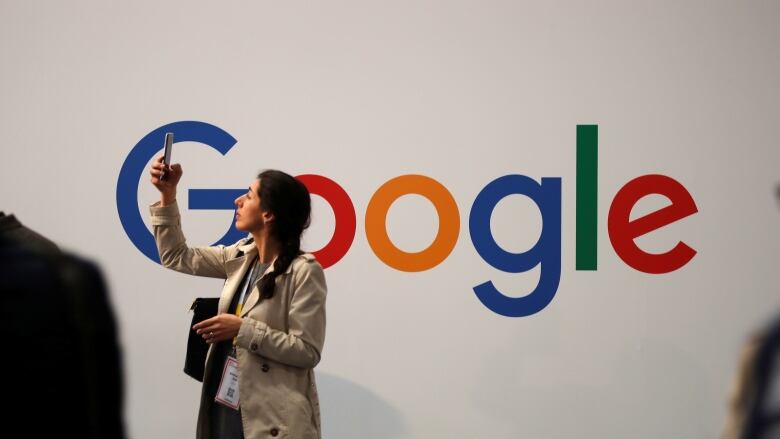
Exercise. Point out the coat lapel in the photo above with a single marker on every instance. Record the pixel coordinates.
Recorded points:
(254, 295)
(240, 272)
(235, 269)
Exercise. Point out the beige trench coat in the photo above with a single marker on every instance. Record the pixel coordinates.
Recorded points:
(280, 340)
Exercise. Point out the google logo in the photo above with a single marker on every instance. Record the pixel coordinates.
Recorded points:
(546, 194)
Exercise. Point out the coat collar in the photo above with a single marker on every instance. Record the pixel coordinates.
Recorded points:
(248, 249)
(237, 269)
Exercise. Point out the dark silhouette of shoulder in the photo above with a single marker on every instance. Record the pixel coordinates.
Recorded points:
(13, 230)
(62, 368)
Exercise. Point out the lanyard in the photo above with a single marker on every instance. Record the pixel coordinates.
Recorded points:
(241, 298)
(240, 304)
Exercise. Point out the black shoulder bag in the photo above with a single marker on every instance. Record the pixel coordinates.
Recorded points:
(195, 361)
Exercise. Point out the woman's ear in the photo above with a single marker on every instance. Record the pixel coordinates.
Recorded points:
(268, 217)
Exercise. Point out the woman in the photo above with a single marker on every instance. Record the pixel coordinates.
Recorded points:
(270, 328)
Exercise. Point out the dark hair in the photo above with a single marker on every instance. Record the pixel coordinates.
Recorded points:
(290, 202)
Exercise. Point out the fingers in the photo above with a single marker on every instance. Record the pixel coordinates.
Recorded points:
(213, 335)
(157, 176)
(161, 167)
(158, 168)
(209, 331)
(207, 323)
(162, 175)
(218, 328)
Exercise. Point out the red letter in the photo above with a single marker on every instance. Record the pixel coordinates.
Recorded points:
(622, 232)
(344, 211)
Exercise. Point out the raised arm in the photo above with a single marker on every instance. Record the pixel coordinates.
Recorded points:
(166, 222)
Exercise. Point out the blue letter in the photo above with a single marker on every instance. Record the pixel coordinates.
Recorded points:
(134, 167)
(546, 251)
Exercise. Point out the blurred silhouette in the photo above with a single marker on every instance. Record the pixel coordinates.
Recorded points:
(62, 369)
(754, 406)
(754, 411)
(12, 230)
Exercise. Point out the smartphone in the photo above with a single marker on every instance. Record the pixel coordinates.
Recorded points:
(167, 153)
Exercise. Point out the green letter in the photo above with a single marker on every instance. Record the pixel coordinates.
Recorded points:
(587, 194)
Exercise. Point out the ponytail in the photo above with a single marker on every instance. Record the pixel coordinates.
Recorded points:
(290, 202)
(290, 250)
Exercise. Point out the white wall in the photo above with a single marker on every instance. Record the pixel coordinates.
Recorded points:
(463, 92)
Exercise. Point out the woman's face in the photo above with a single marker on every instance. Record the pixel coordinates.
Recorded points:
(249, 217)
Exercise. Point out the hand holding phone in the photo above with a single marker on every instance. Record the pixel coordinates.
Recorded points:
(167, 154)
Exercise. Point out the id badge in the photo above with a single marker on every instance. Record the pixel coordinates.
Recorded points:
(228, 386)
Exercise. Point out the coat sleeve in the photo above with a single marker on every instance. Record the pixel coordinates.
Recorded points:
(173, 250)
(301, 346)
